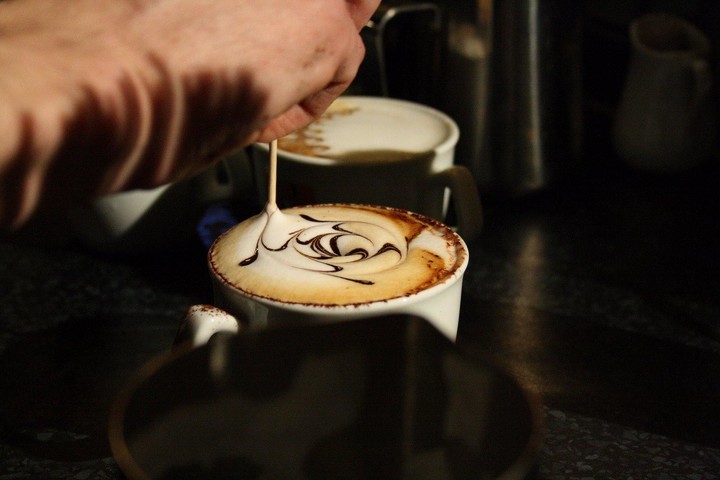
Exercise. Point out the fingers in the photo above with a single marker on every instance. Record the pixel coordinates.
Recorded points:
(310, 108)
(301, 114)
(313, 106)
(361, 11)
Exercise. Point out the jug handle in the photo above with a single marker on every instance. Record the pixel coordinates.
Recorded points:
(375, 44)
(702, 78)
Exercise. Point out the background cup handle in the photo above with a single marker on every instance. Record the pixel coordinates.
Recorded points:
(230, 178)
(466, 200)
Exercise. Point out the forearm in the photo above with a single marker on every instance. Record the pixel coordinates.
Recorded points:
(94, 111)
(59, 94)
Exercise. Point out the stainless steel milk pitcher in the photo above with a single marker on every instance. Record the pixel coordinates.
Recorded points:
(513, 86)
(507, 71)
(403, 42)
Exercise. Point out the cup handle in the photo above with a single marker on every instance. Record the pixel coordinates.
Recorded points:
(202, 322)
(466, 200)
(229, 178)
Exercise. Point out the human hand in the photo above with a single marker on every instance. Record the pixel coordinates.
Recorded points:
(106, 95)
(298, 55)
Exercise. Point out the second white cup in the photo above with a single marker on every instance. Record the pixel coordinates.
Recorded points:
(378, 151)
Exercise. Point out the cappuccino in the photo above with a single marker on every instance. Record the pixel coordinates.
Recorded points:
(337, 255)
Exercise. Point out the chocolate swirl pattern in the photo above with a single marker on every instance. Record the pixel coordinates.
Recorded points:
(336, 254)
(332, 247)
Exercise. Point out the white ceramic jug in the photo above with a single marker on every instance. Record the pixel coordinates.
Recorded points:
(665, 120)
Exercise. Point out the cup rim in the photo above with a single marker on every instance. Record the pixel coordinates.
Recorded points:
(352, 309)
(453, 130)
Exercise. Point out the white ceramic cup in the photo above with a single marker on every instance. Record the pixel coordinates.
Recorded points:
(142, 220)
(235, 309)
(311, 167)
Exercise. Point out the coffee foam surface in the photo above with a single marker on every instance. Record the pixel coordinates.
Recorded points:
(336, 255)
(346, 126)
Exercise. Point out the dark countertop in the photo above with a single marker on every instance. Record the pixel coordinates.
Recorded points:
(601, 298)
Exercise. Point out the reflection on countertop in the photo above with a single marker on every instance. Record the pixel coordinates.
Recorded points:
(603, 301)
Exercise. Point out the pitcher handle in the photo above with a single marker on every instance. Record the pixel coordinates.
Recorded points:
(702, 77)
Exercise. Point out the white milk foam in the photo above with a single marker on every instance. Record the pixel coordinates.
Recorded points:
(336, 254)
(393, 125)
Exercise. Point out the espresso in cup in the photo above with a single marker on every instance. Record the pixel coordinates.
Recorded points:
(339, 261)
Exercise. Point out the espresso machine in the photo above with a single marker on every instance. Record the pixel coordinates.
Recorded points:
(507, 71)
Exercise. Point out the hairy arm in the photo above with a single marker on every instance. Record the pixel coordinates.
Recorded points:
(98, 96)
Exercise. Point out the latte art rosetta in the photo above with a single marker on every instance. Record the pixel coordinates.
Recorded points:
(336, 254)
(338, 248)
